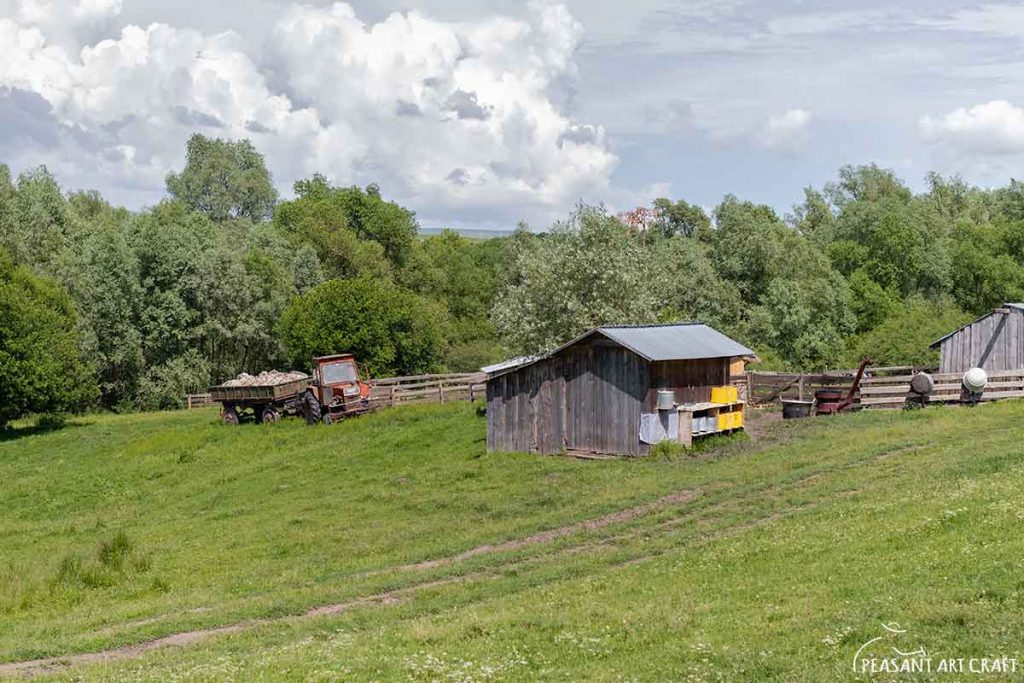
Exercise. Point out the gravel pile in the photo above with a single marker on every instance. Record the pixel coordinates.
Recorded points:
(267, 378)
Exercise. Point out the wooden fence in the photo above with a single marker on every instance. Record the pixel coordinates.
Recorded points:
(197, 401)
(894, 392)
(765, 388)
(391, 391)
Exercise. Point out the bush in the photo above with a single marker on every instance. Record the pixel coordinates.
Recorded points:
(41, 367)
(390, 330)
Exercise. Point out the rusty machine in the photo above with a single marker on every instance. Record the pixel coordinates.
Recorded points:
(832, 401)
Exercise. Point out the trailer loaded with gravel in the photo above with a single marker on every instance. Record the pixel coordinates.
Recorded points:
(264, 397)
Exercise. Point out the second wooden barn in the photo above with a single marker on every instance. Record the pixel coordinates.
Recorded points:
(589, 394)
(994, 341)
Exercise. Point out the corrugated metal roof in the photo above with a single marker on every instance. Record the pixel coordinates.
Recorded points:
(510, 364)
(654, 343)
(978, 320)
(691, 341)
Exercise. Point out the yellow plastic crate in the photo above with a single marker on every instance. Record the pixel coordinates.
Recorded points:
(725, 394)
(737, 419)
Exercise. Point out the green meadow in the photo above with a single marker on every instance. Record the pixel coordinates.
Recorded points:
(393, 547)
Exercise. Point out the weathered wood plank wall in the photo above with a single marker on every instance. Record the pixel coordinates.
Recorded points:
(995, 343)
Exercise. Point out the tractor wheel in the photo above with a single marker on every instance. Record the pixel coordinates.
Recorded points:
(312, 409)
(229, 415)
(270, 415)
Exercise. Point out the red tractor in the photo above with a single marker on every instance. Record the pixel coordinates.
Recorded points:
(336, 390)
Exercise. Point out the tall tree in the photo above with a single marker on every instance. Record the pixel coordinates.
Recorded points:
(224, 179)
(34, 220)
(679, 218)
(589, 270)
(104, 280)
(355, 232)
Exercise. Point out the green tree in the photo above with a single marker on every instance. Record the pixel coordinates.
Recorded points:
(461, 274)
(589, 270)
(898, 240)
(983, 273)
(903, 338)
(354, 231)
(224, 179)
(171, 242)
(689, 288)
(680, 219)
(747, 246)
(390, 330)
(34, 220)
(104, 280)
(41, 368)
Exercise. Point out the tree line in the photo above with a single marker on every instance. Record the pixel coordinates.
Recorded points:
(101, 307)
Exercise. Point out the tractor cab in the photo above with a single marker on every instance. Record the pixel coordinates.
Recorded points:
(336, 380)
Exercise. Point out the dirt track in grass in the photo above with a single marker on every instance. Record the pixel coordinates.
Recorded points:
(37, 667)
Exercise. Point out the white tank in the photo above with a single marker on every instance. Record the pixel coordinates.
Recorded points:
(666, 399)
(975, 380)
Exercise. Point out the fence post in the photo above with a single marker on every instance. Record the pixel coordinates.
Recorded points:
(801, 388)
(391, 396)
(440, 391)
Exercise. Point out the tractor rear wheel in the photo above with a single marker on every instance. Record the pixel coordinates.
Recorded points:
(229, 415)
(312, 409)
(270, 415)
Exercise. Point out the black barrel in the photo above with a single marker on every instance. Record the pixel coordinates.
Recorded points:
(792, 410)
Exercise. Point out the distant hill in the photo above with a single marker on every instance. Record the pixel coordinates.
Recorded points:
(472, 233)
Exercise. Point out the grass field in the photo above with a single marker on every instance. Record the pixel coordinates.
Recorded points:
(393, 547)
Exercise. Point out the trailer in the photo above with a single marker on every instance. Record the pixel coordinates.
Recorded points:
(261, 402)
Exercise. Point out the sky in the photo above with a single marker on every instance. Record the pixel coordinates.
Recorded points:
(480, 114)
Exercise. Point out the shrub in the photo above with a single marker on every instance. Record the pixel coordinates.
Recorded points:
(41, 367)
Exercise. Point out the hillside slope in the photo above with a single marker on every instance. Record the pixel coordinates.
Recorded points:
(393, 547)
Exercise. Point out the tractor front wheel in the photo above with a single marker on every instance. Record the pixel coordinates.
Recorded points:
(312, 409)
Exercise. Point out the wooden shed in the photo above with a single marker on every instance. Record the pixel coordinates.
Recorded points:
(994, 342)
(589, 394)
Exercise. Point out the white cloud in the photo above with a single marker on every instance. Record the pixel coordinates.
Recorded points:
(992, 128)
(994, 19)
(444, 115)
(786, 132)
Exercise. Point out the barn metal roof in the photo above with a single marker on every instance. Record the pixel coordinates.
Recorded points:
(654, 343)
(510, 364)
(690, 341)
(978, 320)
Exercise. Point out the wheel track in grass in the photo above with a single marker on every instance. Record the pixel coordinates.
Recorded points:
(36, 667)
(48, 665)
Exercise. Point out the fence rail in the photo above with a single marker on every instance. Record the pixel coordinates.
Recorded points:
(765, 388)
(894, 392)
(197, 401)
(393, 391)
